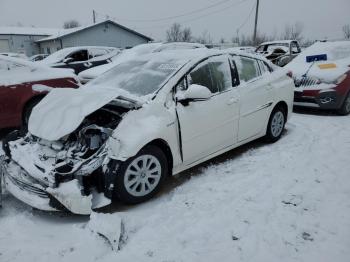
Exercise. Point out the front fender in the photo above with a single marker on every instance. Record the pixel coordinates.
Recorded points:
(141, 127)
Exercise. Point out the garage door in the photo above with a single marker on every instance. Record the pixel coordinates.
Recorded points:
(4, 46)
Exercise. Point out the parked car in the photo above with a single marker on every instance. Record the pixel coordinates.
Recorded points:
(15, 55)
(79, 58)
(280, 52)
(322, 76)
(122, 134)
(134, 52)
(38, 57)
(23, 84)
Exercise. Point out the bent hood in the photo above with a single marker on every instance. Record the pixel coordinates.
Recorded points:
(64, 109)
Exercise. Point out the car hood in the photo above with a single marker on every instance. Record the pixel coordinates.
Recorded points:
(64, 109)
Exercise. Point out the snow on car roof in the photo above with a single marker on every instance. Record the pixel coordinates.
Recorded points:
(137, 51)
(277, 42)
(13, 30)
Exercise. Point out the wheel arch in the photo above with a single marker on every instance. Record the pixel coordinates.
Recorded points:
(30, 101)
(164, 146)
(284, 106)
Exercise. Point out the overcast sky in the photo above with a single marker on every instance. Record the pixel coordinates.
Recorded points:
(321, 18)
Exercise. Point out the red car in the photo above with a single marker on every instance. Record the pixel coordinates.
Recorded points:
(23, 84)
(322, 76)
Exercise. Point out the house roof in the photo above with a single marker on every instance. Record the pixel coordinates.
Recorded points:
(15, 30)
(65, 32)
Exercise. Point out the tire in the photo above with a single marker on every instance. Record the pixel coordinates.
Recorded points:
(345, 108)
(27, 111)
(138, 190)
(276, 125)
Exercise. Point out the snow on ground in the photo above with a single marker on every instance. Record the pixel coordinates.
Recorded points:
(287, 201)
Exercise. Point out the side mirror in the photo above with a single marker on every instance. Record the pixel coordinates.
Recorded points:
(194, 93)
(67, 60)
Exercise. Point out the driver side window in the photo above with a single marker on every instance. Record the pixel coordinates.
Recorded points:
(201, 76)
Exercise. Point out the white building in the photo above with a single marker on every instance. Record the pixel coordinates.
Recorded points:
(33, 40)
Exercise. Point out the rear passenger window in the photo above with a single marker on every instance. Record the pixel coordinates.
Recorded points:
(247, 68)
(263, 67)
(201, 76)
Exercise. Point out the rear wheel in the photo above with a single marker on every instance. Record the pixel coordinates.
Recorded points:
(276, 125)
(141, 177)
(345, 108)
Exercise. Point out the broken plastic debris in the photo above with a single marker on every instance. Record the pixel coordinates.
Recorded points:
(109, 226)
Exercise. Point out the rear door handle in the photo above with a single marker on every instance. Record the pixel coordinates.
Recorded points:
(232, 100)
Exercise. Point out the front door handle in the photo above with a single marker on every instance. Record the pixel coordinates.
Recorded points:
(232, 100)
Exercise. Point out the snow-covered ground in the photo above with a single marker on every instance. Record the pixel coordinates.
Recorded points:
(287, 201)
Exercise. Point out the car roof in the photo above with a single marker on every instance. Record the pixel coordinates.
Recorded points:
(278, 42)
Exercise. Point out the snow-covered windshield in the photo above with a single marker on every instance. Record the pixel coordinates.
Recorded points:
(139, 77)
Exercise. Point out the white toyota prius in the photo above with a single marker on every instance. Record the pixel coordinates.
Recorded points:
(121, 135)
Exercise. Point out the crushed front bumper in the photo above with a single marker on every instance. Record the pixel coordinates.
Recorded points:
(26, 189)
(66, 197)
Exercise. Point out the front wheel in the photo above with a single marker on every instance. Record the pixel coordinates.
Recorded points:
(276, 125)
(141, 177)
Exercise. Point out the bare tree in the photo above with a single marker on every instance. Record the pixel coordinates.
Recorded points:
(177, 34)
(187, 35)
(346, 31)
(71, 24)
(249, 41)
(204, 38)
(174, 34)
(222, 40)
(293, 32)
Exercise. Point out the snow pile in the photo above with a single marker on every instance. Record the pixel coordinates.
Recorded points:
(286, 201)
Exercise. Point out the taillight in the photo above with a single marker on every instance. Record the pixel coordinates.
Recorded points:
(290, 74)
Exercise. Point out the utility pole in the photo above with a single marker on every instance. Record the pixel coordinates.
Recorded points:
(256, 21)
(94, 16)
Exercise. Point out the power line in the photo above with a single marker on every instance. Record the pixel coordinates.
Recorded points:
(176, 16)
(247, 19)
(180, 15)
(198, 17)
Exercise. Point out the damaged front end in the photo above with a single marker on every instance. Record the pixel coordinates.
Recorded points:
(66, 174)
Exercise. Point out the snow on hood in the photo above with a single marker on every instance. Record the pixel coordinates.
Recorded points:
(64, 109)
(338, 53)
(16, 71)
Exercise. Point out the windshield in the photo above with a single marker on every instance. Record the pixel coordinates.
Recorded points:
(139, 77)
